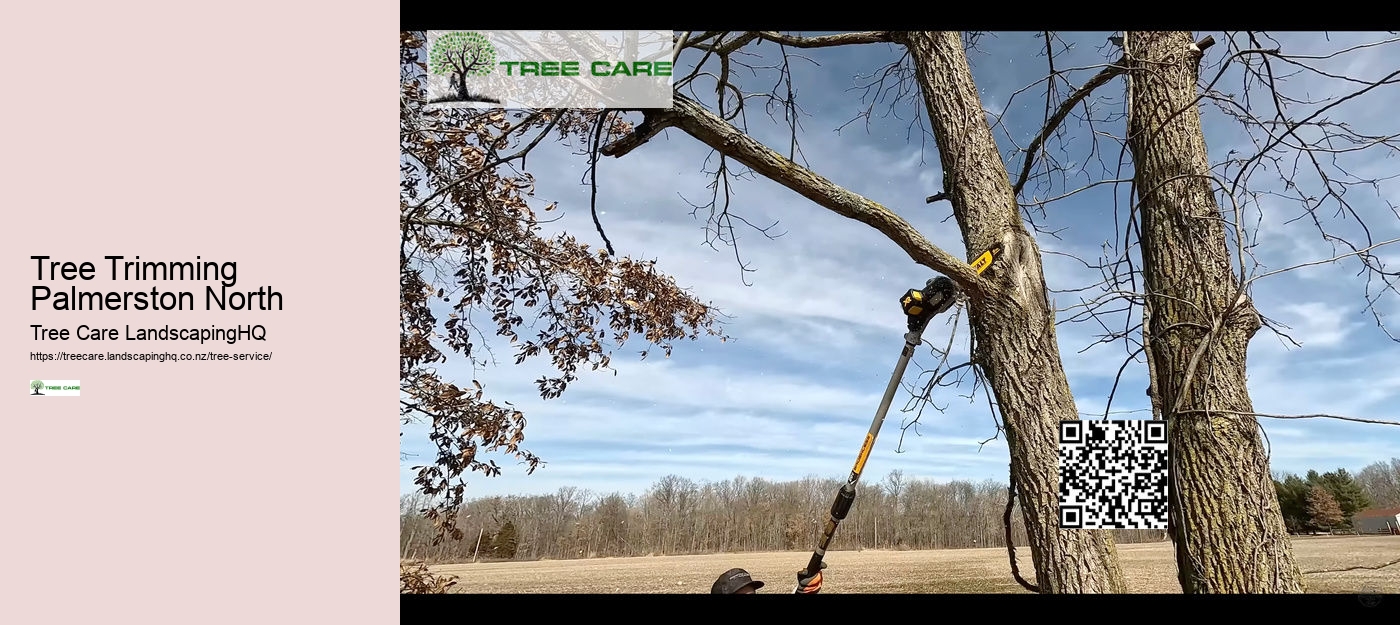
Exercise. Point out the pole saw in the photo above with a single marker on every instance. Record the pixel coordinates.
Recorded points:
(920, 306)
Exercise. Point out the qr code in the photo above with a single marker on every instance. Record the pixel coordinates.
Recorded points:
(1113, 474)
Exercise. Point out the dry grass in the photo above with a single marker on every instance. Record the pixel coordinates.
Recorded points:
(1149, 568)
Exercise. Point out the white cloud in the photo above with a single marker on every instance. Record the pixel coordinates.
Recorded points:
(1318, 324)
(1295, 384)
(665, 383)
(599, 437)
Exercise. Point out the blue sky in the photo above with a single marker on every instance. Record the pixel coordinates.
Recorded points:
(817, 333)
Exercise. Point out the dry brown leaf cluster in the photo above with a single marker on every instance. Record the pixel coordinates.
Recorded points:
(473, 247)
(416, 579)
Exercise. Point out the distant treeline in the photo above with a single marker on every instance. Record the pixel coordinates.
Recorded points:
(679, 516)
(1323, 502)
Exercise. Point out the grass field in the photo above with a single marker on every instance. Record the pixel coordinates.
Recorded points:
(1149, 568)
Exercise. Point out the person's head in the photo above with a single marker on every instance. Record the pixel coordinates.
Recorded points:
(735, 582)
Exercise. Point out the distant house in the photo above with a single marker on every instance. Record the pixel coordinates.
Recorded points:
(1377, 521)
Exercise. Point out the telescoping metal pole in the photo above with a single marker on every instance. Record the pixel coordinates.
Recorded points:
(920, 306)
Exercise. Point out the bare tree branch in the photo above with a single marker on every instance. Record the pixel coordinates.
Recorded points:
(1323, 262)
(708, 128)
(1303, 416)
(827, 41)
(1010, 544)
(1355, 568)
(1114, 391)
(1109, 73)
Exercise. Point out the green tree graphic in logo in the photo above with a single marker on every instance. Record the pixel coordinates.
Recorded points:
(459, 55)
(36, 385)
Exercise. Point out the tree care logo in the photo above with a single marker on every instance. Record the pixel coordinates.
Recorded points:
(550, 69)
(54, 388)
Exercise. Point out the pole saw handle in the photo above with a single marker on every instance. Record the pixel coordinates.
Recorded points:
(845, 496)
(815, 564)
(805, 574)
(920, 305)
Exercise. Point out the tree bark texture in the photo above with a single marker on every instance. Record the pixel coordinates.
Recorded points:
(1225, 519)
(1013, 325)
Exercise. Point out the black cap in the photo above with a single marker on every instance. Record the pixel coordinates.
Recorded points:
(733, 581)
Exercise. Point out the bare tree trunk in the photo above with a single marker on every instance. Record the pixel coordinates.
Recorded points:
(1226, 523)
(1014, 325)
(404, 552)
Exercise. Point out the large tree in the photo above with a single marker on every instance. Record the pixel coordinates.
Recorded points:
(1199, 324)
(1198, 308)
(1323, 511)
(1350, 495)
(1292, 502)
(1013, 323)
